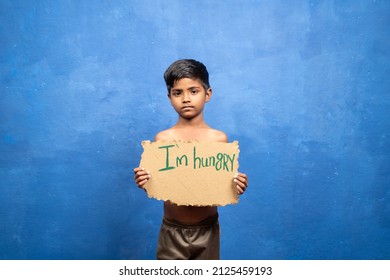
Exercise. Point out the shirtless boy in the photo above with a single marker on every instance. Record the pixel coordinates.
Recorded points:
(189, 232)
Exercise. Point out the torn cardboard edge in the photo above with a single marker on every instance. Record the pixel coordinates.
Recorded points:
(191, 172)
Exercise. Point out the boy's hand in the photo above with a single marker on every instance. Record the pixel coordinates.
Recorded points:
(141, 176)
(242, 182)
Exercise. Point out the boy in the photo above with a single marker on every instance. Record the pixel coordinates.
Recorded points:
(189, 232)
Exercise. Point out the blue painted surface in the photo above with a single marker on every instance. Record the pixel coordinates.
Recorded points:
(304, 87)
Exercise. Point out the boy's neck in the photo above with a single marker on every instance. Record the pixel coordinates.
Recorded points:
(194, 122)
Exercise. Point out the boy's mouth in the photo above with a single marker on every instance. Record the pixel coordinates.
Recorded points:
(187, 107)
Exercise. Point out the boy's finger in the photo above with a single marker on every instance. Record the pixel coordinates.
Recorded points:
(140, 184)
(241, 178)
(137, 169)
(139, 179)
(140, 173)
(239, 181)
(240, 185)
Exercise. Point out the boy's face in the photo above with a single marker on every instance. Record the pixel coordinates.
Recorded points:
(188, 97)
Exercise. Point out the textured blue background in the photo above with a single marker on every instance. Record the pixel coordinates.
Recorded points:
(302, 85)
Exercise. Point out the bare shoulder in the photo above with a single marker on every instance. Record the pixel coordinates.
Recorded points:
(164, 135)
(218, 135)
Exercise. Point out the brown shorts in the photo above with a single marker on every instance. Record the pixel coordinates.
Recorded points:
(178, 241)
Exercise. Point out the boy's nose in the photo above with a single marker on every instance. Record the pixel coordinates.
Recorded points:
(186, 97)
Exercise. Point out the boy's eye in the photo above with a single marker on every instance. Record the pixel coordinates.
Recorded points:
(176, 93)
(193, 92)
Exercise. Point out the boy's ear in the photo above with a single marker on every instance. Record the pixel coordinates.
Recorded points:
(209, 93)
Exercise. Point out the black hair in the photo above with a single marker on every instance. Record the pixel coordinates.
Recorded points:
(186, 68)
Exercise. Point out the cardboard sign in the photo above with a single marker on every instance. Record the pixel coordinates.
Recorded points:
(191, 172)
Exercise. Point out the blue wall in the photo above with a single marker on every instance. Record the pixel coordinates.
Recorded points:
(302, 85)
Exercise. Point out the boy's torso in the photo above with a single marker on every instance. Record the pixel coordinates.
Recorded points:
(190, 214)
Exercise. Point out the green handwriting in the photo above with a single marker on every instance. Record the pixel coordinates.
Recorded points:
(221, 161)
